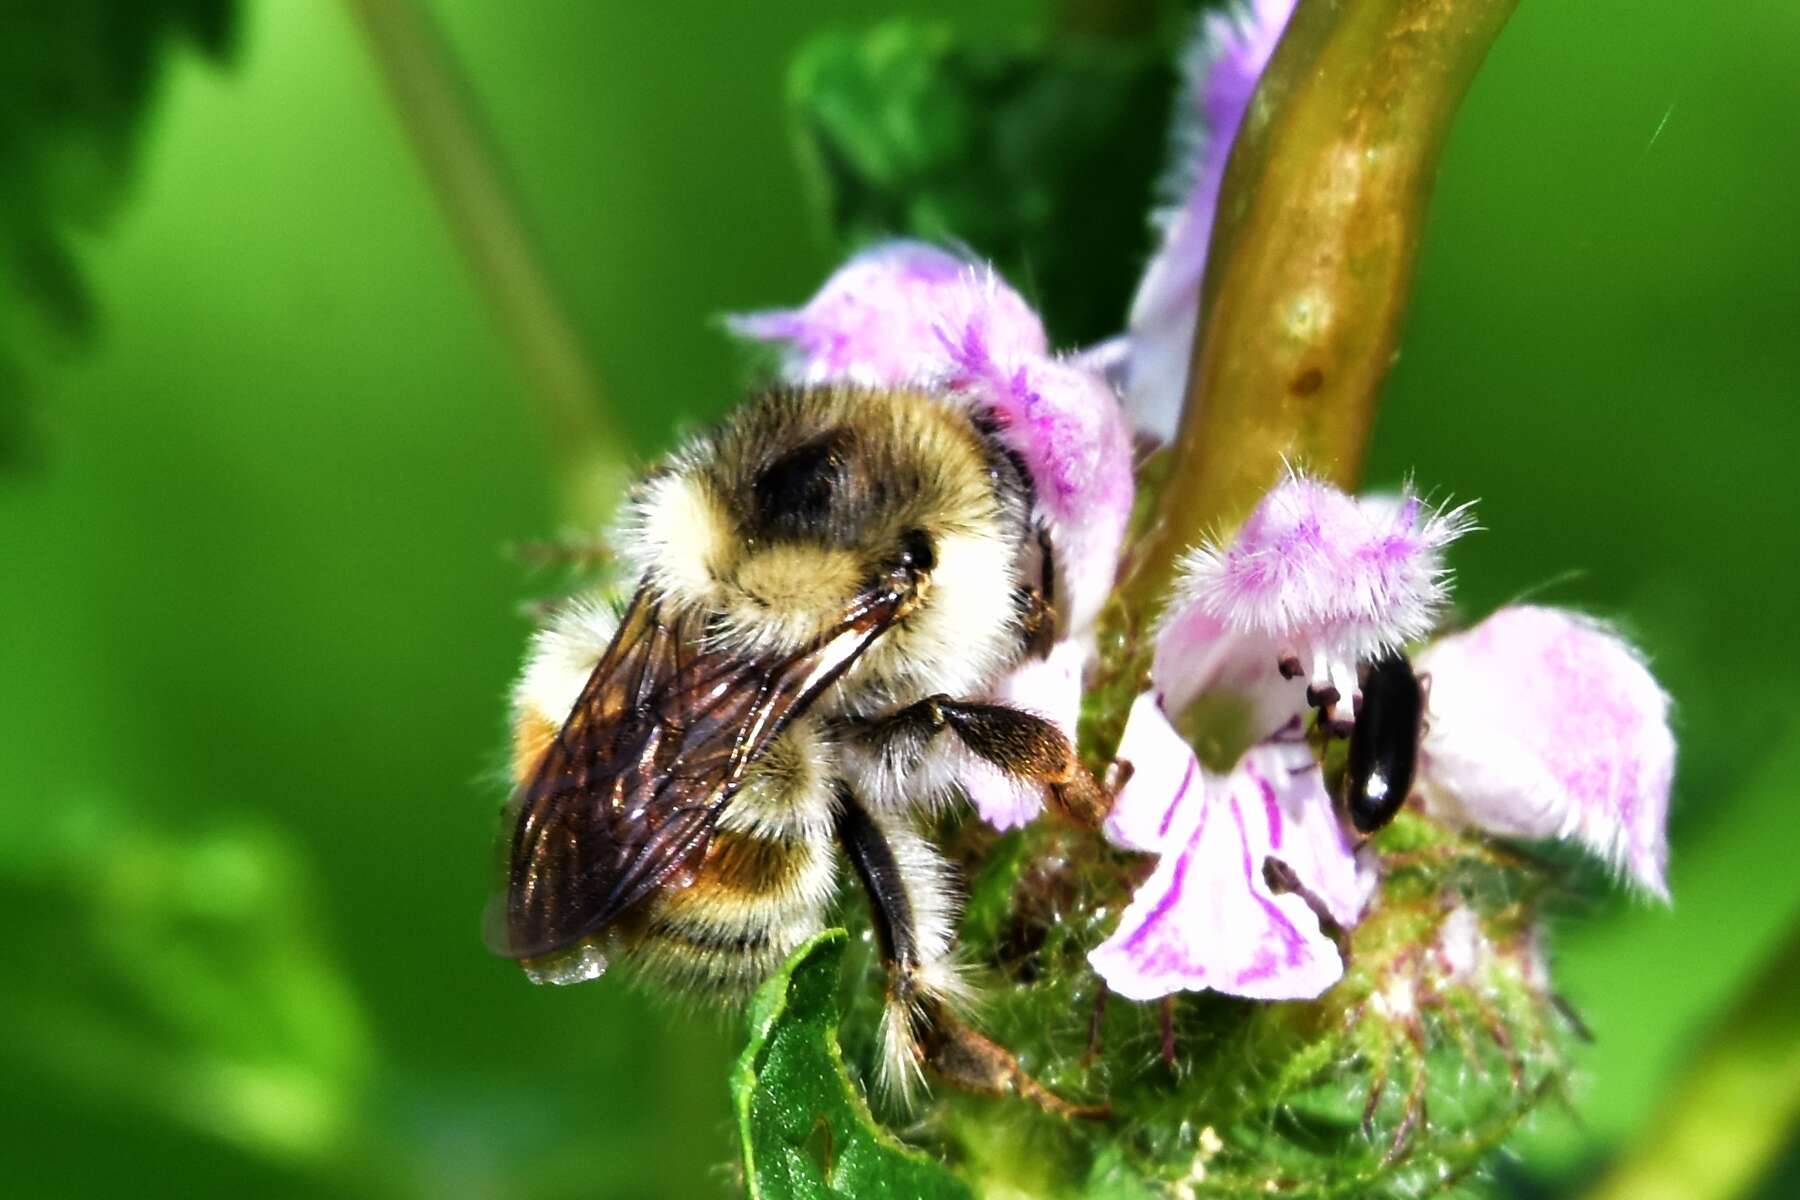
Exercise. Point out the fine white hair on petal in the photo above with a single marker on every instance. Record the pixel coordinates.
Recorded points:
(1544, 723)
(1316, 569)
(1314, 575)
(878, 319)
(1220, 70)
(1208, 916)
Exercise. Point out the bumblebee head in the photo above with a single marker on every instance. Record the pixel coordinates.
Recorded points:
(807, 501)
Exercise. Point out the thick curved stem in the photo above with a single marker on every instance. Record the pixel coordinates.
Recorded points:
(1312, 257)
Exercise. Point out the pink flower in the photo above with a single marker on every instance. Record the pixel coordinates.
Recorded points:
(1545, 724)
(1538, 724)
(1315, 583)
(1220, 70)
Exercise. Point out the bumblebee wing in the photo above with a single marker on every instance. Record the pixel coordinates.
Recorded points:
(628, 789)
(628, 792)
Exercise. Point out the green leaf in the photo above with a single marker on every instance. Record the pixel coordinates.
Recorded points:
(1039, 156)
(807, 1132)
(76, 80)
(181, 973)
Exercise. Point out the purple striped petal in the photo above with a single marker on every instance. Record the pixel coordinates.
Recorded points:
(1208, 918)
(1306, 833)
(1162, 796)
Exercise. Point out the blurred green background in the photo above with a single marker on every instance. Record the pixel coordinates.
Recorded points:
(265, 458)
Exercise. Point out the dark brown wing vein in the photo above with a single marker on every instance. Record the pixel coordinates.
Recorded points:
(657, 743)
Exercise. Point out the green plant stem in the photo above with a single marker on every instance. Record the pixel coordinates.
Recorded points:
(1311, 261)
(442, 119)
(1733, 1110)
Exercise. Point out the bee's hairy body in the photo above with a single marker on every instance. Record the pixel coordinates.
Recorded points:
(768, 530)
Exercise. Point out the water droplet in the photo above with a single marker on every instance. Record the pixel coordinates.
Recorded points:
(579, 965)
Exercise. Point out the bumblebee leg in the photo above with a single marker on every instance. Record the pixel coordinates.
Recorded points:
(920, 1028)
(1037, 603)
(1021, 744)
(977, 1063)
(908, 887)
(879, 871)
(1037, 621)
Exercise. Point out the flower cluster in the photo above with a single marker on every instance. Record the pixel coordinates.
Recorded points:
(1538, 723)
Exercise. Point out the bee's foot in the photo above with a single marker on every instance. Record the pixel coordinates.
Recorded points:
(1082, 798)
(976, 1063)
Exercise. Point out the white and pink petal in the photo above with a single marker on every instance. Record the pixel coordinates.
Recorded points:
(881, 318)
(1208, 917)
(1163, 792)
(1542, 723)
(1305, 832)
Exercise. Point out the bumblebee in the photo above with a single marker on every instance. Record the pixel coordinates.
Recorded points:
(826, 585)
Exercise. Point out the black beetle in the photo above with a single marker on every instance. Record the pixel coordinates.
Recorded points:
(1384, 742)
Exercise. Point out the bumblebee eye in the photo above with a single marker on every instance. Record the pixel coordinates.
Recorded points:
(916, 550)
(797, 488)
